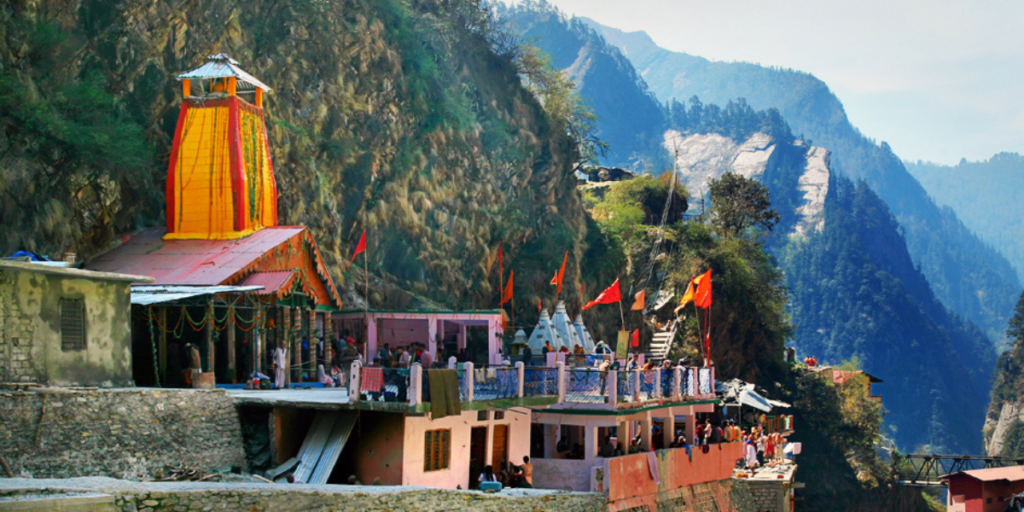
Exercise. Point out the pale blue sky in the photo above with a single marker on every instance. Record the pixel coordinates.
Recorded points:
(937, 80)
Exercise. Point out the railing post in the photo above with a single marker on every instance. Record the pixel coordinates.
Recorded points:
(657, 383)
(354, 379)
(712, 383)
(612, 385)
(415, 384)
(468, 368)
(561, 381)
(677, 387)
(452, 361)
(521, 377)
(637, 375)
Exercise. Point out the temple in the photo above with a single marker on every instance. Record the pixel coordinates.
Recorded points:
(226, 278)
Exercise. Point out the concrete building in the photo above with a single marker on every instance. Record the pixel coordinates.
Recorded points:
(64, 326)
(983, 490)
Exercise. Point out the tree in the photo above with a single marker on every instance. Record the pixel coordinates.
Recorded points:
(740, 204)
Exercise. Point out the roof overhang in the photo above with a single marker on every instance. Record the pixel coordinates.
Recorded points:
(158, 294)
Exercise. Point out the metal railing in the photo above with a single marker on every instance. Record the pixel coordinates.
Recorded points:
(586, 385)
(578, 385)
(394, 385)
(540, 381)
(496, 383)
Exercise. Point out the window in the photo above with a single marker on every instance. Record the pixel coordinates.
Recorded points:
(482, 415)
(72, 324)
(437, 448)
(499, 415)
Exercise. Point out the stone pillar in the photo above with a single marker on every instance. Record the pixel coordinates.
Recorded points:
(561, 381)
(432, 337)
(612, 387)
(452, 362)
(622, 434)
(520, 377)
(645, 432)
(677, 386)
(492, 342)
(637, 375)
(461, 337)
(355, 375)
(590, 442)
(415, 384)
(657, 384)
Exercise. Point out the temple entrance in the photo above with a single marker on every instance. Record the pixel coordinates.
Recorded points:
(477, 455)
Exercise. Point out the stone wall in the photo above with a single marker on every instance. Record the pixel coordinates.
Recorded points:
(769, 496)
(182, 497)
(53, 432)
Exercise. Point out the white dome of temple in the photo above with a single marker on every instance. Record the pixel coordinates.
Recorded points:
(544, 332)
(583, 334)
(563, 326)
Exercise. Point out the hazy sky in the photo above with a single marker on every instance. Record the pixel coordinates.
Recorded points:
(937, 80)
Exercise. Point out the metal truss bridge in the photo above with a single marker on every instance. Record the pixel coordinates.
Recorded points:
(922, 469)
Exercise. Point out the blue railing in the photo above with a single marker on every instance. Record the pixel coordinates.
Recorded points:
(495, 383)
(586, 385)
(540, 381)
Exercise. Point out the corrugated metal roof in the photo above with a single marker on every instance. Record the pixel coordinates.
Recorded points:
(147, 295)
(219, 66)
(190, 262)
(74, 273)
(274, 282)
(1012, 474)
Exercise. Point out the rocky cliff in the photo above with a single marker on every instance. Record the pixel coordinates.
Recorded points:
(405, 118)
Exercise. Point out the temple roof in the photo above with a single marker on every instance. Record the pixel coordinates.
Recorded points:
(583, 334)
(220, 65)
(543, 333)
(567, 334)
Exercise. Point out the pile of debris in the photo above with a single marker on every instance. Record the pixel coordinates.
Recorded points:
(184, 473)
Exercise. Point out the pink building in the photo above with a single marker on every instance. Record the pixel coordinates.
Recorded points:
(983, 490)
(443, 332)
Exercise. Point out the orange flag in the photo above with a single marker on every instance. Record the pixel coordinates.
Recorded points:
(507, 294)
(360, 247)
(609, 296)
(560, 274)
(703, 296)
(641, 298)
(687, 297)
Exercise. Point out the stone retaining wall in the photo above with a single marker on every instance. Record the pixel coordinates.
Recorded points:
(59, 433)
(187, 497)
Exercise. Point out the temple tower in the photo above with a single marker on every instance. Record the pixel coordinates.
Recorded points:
(220, 181)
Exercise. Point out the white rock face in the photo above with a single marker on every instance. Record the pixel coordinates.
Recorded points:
(1010, 411)
(701, 158)
(814, 185)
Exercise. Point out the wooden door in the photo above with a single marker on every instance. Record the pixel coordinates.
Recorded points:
(477, 455)
(499, 444)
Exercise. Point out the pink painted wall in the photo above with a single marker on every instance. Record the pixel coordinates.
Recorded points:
(629, 477)
(563, 474)
(401, 332)
(517, 419)
(378, 447)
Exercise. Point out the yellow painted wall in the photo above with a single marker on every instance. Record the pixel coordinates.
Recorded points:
(203, 193)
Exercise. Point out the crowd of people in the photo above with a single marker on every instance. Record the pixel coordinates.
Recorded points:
(509, 474)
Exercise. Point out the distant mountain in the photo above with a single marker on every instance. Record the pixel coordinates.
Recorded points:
(967, 275)
(607, 80)
(975, 191)
(855, 290)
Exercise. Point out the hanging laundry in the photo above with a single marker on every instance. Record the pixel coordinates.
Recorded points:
(372, 380)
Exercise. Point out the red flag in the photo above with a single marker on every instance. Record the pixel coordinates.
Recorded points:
(703, 297)
(360, 247)
(501, 268)
(609, 296)
(507, 294)
(640, 299)
(560, 274)
(540, 305)
(634, 340)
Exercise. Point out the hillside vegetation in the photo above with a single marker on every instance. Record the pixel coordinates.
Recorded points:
(407, 118)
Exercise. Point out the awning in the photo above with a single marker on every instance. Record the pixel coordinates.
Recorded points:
(736, 392)
(148, 295)
(276, 282)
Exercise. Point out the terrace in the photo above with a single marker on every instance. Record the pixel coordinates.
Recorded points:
(407, 389)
